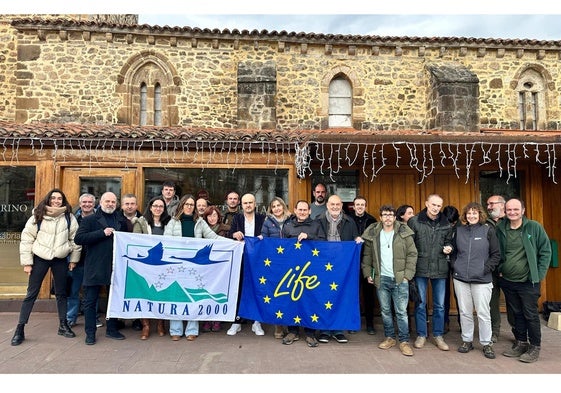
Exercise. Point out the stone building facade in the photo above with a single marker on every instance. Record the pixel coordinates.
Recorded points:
(75, 70)
(391, 118)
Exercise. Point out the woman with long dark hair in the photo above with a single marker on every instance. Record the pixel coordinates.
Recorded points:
(47, 242)
(152, 222)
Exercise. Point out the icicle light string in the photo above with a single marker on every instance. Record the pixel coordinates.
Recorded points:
(373, 156)
(552, 154)
(422, 160)
(397, 156)
(382, 158)
(365, 157)
(308, 155)
(4, 149)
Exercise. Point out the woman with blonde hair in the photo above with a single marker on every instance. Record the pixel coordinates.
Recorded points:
(277, 214)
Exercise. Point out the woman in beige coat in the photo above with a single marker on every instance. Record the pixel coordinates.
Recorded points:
(47, 242)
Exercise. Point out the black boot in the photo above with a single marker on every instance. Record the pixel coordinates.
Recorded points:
(64, 329)
(19, 336)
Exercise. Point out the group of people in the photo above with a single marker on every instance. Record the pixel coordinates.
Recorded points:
(481, 250)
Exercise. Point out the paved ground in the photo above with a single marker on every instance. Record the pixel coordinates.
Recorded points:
(44, 352)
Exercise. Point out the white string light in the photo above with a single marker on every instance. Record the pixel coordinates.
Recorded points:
(309, 156)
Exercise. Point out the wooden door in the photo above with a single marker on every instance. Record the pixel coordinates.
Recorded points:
(96, 181)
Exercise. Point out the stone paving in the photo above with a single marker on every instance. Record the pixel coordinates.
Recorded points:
(44, 352)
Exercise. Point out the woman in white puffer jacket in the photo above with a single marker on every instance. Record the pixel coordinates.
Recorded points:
(47, 242)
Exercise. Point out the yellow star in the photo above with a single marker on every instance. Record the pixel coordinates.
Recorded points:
(297, 320)
(297, 245)
(315, 318)
(279, 314)
(262, 280)
(328, 305)
(280, 249)
(315, 252)
(267, 299)
(329, 266)
(334, 286)
(267, 262)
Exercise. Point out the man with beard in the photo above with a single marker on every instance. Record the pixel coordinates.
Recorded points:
(95, 235)
(496, 212)
(318, 206)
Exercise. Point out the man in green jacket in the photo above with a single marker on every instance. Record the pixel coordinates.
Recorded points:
(388, 261)
(525, 258)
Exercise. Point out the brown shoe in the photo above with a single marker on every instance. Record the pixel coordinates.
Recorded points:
(191, 337)
(387, 343)
(145, 329)
(175, 338)
(279, 331)
(405, 348)
(161, 329)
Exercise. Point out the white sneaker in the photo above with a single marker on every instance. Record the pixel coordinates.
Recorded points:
(236, 327)
(257, 329)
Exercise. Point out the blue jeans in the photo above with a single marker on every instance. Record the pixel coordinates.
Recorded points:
(438, 286)
(389, 292)
(522, 301)
(73, 299)
(176, 328)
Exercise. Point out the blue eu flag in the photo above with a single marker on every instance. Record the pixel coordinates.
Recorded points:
(309, 283)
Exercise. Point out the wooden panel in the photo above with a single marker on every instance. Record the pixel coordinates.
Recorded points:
(393, 187)
(551, 197)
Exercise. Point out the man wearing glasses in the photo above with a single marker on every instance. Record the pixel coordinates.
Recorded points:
(496, 212)
(389, 260)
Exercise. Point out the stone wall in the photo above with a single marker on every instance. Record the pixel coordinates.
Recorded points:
(71, 74)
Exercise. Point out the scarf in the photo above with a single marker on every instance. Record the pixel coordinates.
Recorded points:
(187, 226)
(333, 233)
(52, 211)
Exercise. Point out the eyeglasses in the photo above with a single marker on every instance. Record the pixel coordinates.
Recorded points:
(189, 204)
(158, 206)
(494, 203)
(387, 214)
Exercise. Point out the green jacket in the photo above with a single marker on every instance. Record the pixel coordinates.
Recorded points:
(404, 252)
(536, 244)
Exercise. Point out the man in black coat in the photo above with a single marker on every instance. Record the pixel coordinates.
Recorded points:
(363, 220)
(248, 222)
(95, 234)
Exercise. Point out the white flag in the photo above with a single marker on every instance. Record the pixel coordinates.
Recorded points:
(169, 277)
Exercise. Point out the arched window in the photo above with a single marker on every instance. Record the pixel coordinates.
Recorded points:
(340, 102)
(531, 100)
(148, 85)
(143, 103)
(157, 105)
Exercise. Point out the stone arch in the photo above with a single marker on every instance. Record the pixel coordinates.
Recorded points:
(357, 94)
(153, 69)
(538, 68)
(531, 84)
